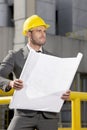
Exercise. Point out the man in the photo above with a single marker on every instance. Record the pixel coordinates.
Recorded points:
(35, 30)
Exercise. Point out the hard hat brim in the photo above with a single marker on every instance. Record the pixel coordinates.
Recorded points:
(45, 25)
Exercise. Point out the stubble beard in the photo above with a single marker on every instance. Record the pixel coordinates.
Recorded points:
(38, 43)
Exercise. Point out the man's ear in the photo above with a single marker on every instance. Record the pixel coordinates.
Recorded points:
(28, 34)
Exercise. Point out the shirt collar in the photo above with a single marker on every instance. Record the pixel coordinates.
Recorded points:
(30, 48)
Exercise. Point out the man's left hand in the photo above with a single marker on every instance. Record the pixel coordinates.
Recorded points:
(66, 95)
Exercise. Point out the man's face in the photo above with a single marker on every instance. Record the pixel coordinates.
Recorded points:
(38, 36)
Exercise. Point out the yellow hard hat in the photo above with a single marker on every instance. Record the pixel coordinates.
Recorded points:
(32, 22)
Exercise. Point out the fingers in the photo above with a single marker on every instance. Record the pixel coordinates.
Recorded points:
(17, 84)
(66, 95)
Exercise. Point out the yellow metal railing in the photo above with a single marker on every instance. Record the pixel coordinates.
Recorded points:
(5, 97)
(9, 93)
(75, 98)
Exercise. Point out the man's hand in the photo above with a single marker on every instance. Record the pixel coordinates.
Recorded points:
(16, 84)
(66, 95)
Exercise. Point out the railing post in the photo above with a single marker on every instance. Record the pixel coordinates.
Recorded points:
(76, 114)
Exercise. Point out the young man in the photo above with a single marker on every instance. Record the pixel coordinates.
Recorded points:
(35, 30)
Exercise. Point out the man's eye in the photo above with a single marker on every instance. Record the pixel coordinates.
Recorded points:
(41, 31)
(38, 30)
(45, 31)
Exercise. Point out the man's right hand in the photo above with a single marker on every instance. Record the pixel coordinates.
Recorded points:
(16, 84)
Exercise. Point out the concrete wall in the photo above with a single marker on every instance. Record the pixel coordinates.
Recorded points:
(19, 17)
(68, 47)
(64, 8)
(46, 9)
(22, 10)
(6, 41)
(4, 19)
(72, 15)
(79, 14)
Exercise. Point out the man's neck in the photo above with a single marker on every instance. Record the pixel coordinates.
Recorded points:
(35, 47)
